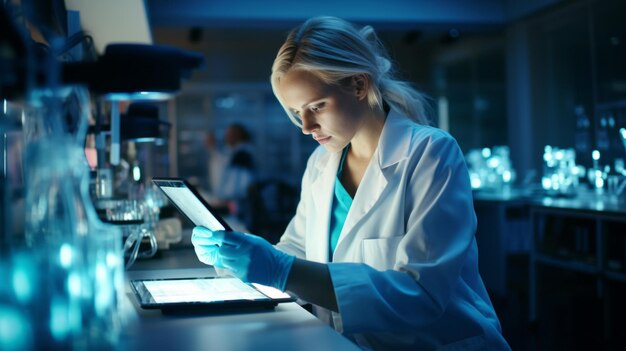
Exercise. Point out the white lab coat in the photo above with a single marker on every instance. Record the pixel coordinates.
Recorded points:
(228, 182)
(405, 269)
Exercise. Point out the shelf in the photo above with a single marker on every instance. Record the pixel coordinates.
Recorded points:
(567, 264)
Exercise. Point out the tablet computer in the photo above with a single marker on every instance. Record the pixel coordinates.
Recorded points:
(205, 294)
(190, 203)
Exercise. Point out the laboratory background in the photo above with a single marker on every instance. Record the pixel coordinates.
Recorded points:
(99, 97)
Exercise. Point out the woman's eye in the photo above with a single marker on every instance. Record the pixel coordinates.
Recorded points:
(317, 108)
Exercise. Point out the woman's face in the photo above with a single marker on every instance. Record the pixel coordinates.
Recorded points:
(331, 114)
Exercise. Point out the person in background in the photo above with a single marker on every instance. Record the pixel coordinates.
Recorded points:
(382, 242)
(231, 169)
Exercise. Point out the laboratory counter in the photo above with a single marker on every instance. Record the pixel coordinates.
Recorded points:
(509, 219)
(584, 201)
(575, 249)
(287, 327)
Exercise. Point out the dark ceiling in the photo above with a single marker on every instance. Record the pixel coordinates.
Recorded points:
(285, 14)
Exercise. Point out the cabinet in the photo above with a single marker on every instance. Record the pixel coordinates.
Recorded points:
(584, 247)
(502, 230)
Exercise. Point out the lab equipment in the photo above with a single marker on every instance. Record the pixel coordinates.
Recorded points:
(127, 72)
(619, 166)
(11, 174)
(616, 182)
(130, 216)
(490, 169)
(141, 123)
(560, 172)
(61, 298)
(70, 287)
(248, 257)
(80, 284)
(597, 175)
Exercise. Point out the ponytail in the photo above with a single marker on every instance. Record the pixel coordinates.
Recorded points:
(398, 94)
(403, 97)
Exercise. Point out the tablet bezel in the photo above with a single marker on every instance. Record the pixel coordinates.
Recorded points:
(196, 194)
(146, 300)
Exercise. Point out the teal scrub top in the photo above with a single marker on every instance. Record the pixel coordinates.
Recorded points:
(341, 205)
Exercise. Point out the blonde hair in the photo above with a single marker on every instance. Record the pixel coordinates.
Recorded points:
(333, 50)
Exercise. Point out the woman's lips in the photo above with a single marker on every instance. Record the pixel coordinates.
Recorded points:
(323, 140)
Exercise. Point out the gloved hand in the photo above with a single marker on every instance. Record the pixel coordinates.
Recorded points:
(251, 258)
(205, 246)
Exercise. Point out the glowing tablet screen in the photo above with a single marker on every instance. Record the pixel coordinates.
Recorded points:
(201, 290)
(180, 193)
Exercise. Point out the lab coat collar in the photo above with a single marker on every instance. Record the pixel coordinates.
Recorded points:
(393, 145)
(395, 139)
(323, 191)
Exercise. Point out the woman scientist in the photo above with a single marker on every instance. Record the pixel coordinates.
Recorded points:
(382, 242)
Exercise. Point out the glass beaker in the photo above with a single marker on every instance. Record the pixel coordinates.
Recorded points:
(80, 284)
(131, 217)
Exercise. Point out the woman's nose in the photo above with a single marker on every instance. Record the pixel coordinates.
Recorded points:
(309, 125)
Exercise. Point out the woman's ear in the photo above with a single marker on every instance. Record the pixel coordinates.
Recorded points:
(360, 84)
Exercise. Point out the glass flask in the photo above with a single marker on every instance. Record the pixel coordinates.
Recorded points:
(78, 272)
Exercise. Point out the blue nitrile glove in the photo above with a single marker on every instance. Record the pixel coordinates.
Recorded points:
(253, 259)
(205, 246)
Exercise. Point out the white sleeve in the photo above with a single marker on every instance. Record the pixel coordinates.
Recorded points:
(440, 230)
(217, 165)
(235, 183)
